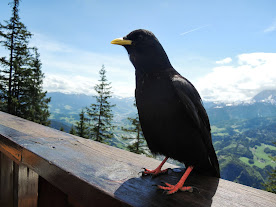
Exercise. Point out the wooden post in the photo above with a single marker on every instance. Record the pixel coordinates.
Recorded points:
(49, 195)
(6, 181)
(18, 185)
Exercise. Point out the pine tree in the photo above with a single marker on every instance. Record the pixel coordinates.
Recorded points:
(100, 113)
(73, 130)
(138, 145)
(270, 185)
(82, 127)
(20, 73)
(35, 107)
(15, 39)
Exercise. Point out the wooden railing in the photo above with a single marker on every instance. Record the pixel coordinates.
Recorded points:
(41, 166)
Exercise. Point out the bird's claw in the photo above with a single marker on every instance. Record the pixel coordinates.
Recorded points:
(142, 171)
(153, 173)
(146, 172)
(171, 189)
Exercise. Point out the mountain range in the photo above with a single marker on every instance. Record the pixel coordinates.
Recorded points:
(243, 133)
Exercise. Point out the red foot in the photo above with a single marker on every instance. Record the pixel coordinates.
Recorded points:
(174, 188)
(179, 186)
(157, 171)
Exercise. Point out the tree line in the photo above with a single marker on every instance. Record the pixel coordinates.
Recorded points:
(21, 91)
(95, 121)
(21, 78)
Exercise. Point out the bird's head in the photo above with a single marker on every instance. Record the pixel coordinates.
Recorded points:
(145, 51)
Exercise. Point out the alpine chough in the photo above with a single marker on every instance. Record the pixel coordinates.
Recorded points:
(172, 117)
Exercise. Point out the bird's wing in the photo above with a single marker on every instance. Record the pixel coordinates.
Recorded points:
(190, 98)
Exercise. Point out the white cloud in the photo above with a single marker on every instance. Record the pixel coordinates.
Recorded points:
(45, 43)
(84, 85)
(253, 73)
(271, 28)
(224, 61)
(71, 70)
(69, 84)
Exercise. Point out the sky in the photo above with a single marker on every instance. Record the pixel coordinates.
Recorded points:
(227, 49)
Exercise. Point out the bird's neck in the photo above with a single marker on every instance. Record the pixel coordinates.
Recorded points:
(150, 61)
(160, 75)
(152, 65)
(156, 73)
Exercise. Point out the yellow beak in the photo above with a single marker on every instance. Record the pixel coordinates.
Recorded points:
(121, 41)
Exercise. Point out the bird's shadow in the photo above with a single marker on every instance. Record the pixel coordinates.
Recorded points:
(142, 191)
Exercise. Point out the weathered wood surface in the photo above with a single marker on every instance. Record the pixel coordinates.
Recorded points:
(94, 174)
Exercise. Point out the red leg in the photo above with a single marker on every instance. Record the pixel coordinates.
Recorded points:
(179, 186)
(157, 170)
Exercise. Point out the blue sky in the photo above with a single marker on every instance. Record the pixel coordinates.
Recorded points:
(226, 48)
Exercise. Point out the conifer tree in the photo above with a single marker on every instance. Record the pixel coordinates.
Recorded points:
(82, 127)
(35, 107)
(73, 130)
(270, 185)
(20, 73)
(138, 145)
(100, 113)
(15, 39)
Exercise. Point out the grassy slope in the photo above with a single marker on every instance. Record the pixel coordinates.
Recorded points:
(261, 159)
(240, 146)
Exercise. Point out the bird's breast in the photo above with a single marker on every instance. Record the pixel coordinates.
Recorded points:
(165, 122)
(156, 99)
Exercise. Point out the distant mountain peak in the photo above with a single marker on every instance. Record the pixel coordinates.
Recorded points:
(266, 96)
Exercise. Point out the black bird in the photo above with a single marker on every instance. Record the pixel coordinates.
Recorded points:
(172, 117)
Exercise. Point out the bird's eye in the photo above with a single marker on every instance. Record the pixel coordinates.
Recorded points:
(140, 37)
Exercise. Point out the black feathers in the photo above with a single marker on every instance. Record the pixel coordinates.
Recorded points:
(171, 113)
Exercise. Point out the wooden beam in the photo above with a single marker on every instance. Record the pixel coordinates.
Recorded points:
(93, 174)
(6, 181)
(18, 184)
